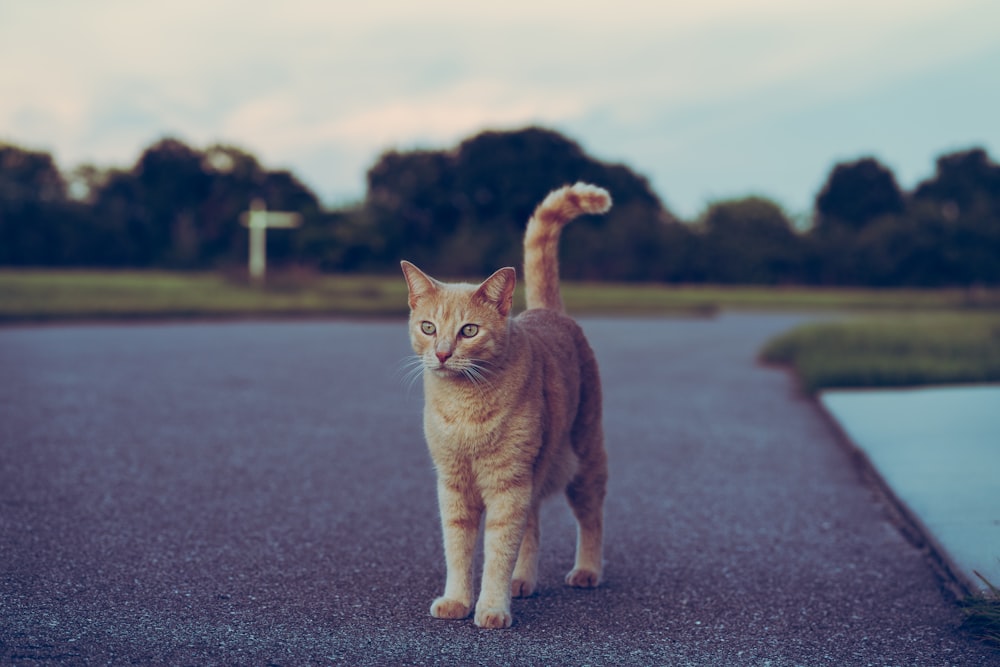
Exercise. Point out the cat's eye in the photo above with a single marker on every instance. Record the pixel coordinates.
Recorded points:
(428, 328)
(470, 330)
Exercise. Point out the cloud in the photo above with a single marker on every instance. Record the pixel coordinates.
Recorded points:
(454, 112)
(279, 127)
(310, 82)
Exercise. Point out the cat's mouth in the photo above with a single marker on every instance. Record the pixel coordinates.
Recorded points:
(444, 369)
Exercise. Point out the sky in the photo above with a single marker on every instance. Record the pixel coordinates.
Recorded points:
(708, 100)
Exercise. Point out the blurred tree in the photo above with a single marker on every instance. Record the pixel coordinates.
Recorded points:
(236, 177)
(39, 225)
(283, 191)
(343, 241)
(749, 240)
(179, 207)
(965, 182)
(463, 212)
(947, 234)
(29, 176)
(925, 249)
(172, 184)
(84, 182)
(409, 203)
(857, 193)
(955, 220)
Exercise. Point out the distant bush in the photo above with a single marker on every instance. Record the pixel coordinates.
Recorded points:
(462, 211)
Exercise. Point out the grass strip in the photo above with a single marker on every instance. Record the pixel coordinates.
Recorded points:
(77, 295)
(80, 295)
(908, 349)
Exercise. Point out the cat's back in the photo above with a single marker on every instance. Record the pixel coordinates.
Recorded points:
(569, 381)
(555, 335)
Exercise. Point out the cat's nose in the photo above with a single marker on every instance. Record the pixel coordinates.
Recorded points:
(443, 355)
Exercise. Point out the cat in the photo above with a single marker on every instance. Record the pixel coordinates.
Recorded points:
(512, 415)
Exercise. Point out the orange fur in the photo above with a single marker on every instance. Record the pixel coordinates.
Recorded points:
(512, 415)
(541, 239)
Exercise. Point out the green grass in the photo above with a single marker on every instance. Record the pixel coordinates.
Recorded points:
(982, 614)
(628, 298)
(76, 295)
(903, 349)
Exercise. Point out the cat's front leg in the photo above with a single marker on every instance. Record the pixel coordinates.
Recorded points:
(506, 517)
(460, 527)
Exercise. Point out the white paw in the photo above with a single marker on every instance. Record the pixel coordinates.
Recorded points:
(522, 588)
(581, 578)
(495, 618)
(447, 608)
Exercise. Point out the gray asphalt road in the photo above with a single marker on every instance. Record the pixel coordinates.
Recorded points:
(256, 494)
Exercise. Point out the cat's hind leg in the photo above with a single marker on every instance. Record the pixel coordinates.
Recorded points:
(586, 490)
(526, 570)
(586, 498)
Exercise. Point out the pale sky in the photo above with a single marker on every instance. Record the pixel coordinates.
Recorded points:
(710, 99)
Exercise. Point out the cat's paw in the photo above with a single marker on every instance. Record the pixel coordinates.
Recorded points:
(495, 618)
(522, 588)
(448, 608)
(580, 578)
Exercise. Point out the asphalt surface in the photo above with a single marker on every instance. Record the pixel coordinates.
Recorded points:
(260, 494)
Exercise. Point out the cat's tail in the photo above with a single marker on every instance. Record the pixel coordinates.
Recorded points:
(541, 239)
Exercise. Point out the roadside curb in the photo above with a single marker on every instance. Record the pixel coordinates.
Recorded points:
(900, 515)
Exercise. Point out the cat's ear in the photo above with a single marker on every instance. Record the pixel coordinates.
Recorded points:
(419, 283)
(498, 290)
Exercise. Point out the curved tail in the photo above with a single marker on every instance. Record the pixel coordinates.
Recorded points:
(541, 239)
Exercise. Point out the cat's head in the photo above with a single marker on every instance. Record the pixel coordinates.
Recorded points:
(459, 329)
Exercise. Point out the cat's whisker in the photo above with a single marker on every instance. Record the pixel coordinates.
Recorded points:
(474, 381)
(478, 375)
(407, 364)
(481, 374)
(413, 378)
(410, 370)
(484, 365)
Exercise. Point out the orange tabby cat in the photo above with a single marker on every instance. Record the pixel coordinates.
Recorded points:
(512, 415)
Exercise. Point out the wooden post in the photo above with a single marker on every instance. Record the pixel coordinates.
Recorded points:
(257, 223)
(257, 220)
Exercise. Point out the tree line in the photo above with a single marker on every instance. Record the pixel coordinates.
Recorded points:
(461, 212)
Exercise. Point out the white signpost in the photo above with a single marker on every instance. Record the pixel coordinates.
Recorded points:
(258, 219)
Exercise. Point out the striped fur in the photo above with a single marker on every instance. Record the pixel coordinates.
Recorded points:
(541, 239)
